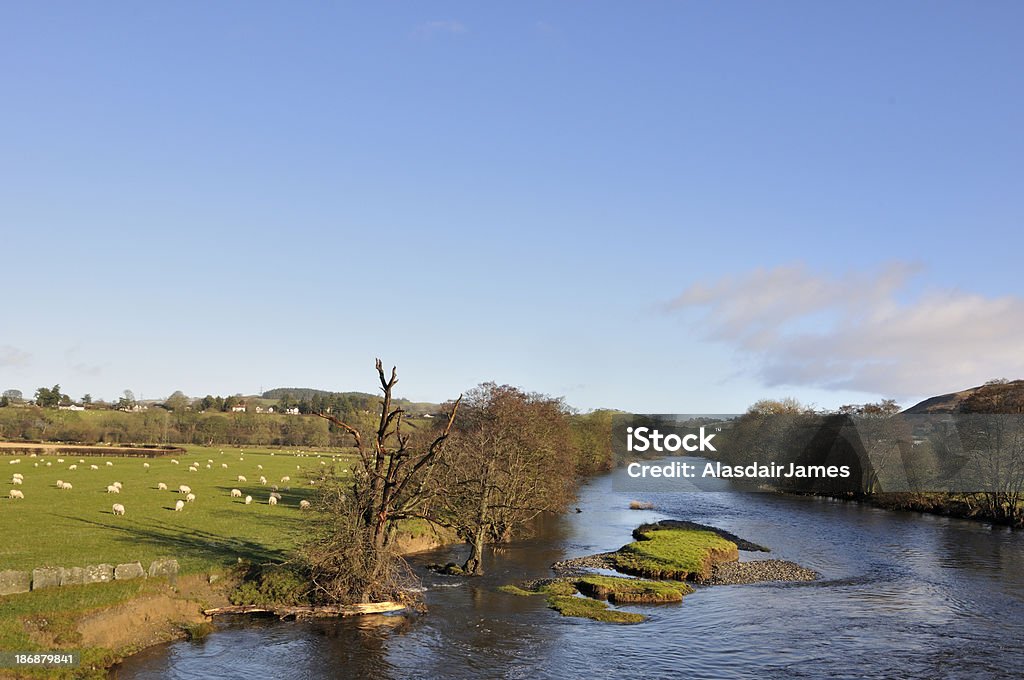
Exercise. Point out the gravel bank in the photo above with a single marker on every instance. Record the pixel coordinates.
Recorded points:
(760, 571)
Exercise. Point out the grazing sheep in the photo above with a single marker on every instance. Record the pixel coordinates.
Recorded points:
(248, 500)
(66, 486)
(60, 460)
(236, 493)
(242, 478)
(263, 480)
(174, 461)
(18, 475)
(60, 483)
(48, 463)
(81, 460)
(286, 478)
(179, 506)
(272, 501)
(189, 498)
(259, 467)
(94, 467)
(210, 461)
(224, 465)
(161, 487)
(15, 461)
(72, 467)
(15, 493)
(113, 489)
(208, 466)
(303, 505)
(184, 488)
(275, 495)
(273, 487)
(193, 469)
(16, 481)
(145, 466)
(118, 509)
(109, 464)
(119, 485)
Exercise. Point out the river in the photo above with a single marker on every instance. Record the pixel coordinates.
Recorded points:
(902, 595)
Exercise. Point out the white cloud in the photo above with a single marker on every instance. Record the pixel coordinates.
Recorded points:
(12, 357)
(861, 331)
(449, 26)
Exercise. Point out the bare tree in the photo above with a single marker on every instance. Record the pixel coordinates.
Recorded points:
(354, 558)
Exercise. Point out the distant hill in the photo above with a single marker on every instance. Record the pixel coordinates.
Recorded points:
(993, 397)
(299, 393)
(355, 399)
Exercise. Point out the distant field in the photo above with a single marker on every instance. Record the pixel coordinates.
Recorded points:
(77, 528)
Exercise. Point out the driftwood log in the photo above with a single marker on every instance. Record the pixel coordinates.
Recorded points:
(308, 612)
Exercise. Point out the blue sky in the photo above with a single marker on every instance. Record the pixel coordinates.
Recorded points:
(578, 198)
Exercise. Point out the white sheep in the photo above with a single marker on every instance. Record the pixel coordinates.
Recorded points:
(15, 461)
(72, 467)
(286, 478)
(236, 493)
(263, 480)
(179, 506)
(259, 467)
(303, 505)
(275, 495)
(184, 488)
(208, 466)
(189, 498)
(210, 461)
(15, 493)
(224, 465)
(113, 489)
(81, 460)
(94, 467)
(109, 464)
(174, 462)
(161, 486)
(242, 478)
(145, 466)
(119, 485)
(193, 469)
(248, 500)
(60, 460)
(60, 483)
(118, 509)
(16, 481)
(272, 501)
(66, 486)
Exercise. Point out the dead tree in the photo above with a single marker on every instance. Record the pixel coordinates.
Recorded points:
(391, 482)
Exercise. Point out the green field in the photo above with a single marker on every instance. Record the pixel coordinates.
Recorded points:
(53, 527)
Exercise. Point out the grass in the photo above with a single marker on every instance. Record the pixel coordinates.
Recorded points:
(678, 554)
(77, 528)
(630, 590)
(569, 605)
(30, 620)
(561, 596)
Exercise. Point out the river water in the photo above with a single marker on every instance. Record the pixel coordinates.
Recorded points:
(902, 595)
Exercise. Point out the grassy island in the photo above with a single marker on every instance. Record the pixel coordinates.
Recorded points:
(678, 554)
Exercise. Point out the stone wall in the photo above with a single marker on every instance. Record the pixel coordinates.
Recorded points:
(53, 577)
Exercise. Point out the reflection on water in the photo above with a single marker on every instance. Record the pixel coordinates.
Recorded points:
(901, 595)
